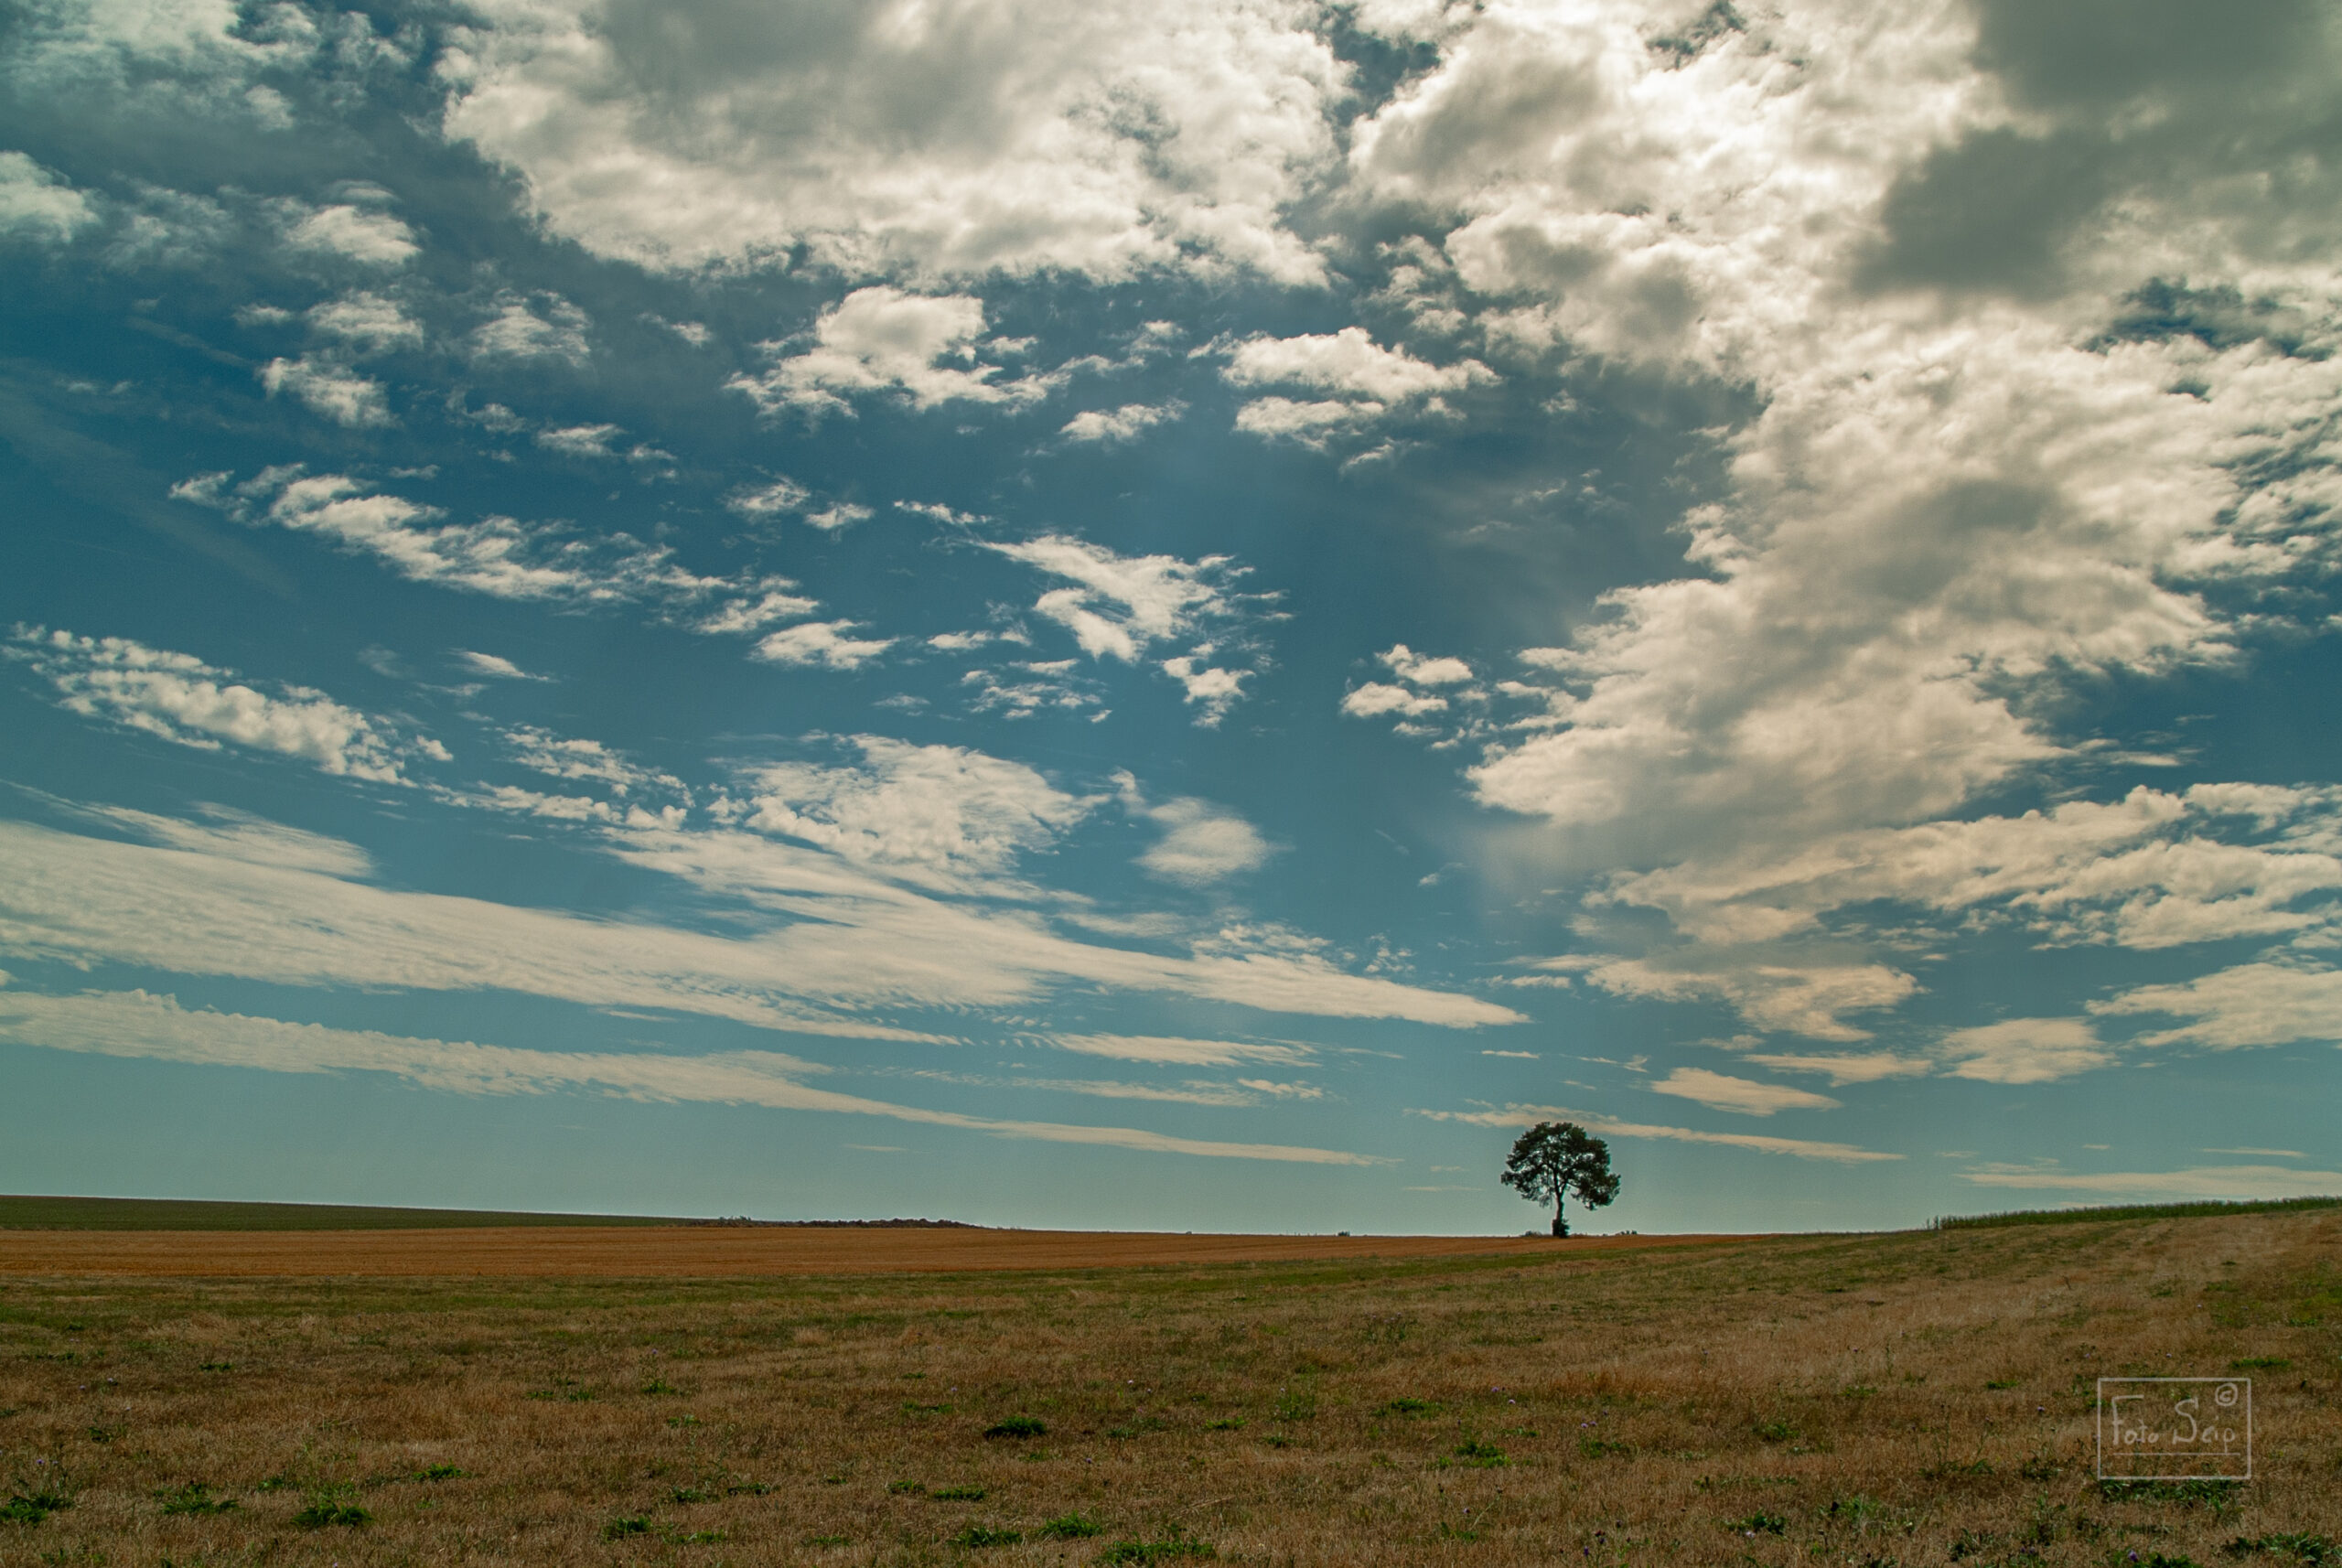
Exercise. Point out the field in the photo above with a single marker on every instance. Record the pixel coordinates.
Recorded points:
(1914, 1398)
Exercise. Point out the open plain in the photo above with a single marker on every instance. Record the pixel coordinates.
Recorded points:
(1914, 1398)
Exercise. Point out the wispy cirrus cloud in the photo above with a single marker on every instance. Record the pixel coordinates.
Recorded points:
(1529, 1115)
(135, 1024)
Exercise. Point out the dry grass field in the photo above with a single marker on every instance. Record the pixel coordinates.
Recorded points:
(1917, 1398)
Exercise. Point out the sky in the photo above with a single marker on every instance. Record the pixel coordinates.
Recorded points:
(1095, 614)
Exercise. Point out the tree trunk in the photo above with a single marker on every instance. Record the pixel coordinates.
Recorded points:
(1561, 1226)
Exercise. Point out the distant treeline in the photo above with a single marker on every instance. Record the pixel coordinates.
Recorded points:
(21, 1213)
(2127, 1211)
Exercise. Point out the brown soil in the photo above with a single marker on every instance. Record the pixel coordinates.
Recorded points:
(717, 1251)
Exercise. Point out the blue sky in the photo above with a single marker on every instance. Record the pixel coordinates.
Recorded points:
(1118, 616)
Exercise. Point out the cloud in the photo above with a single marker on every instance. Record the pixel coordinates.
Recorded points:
(135, 1024)
(1842, 1068)
(906, 140)
(579, 760)
(1719, 1092)
(2250, 1004)
(372, 322)
(1201, 843)
(580, 440)
(1348, 363)
(1772, 991)
(943, 812)
(2055, 433)
(880, 339)
(1118, 424)
(1374, 699)
(2026, 1051)
(2153, 869)
(1178, 1052)
(1529, 1115)
(2202, 1182)
(546, 327)
(1431, 684)
(494, 666)
(353, 233)
(1369, 381)
(40, 204)
(821, 644)
(333, 389)
(809, 941)
(498, 556)
(179, 697)
(1423, 669)
(1122, 604)
(783, 497)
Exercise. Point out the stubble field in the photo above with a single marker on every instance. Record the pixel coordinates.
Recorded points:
(1916, 1398)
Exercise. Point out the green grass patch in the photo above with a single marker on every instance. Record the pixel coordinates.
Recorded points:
(1070, 1527)
(1484, 1455)
(34, 1506)
(331, 1506)
(195, 1498)
(1017, 1426)
(976, 1536)
(1177, 1544)
(2128, 1212)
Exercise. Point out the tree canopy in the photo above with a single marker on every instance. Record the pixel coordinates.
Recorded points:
(1554, 1160)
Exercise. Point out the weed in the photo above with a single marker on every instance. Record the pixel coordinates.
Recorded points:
(1484, 1455)
(195, 1497)
(2002, 1383)
(2301, 1547)
(619, 1529)
(2260, 1364)
(219, 1367)
(691, 1495)
(1178, 1543)
(1601, 1448)
(1296, 1405)
(1759, 1524)
(1408, 1407)
(1070, 1527)
(1775, 1430)
(660, 1386)
(331, 1506)
(827, 1539)
(696, 1537)
(977, 1535)
(958, 1494)
(33, 1507)
(2220, 1496)
(905, 1489)
(1017, 1426)
(1225, 1424)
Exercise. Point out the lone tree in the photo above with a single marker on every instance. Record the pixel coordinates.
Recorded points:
(1554, 1160)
